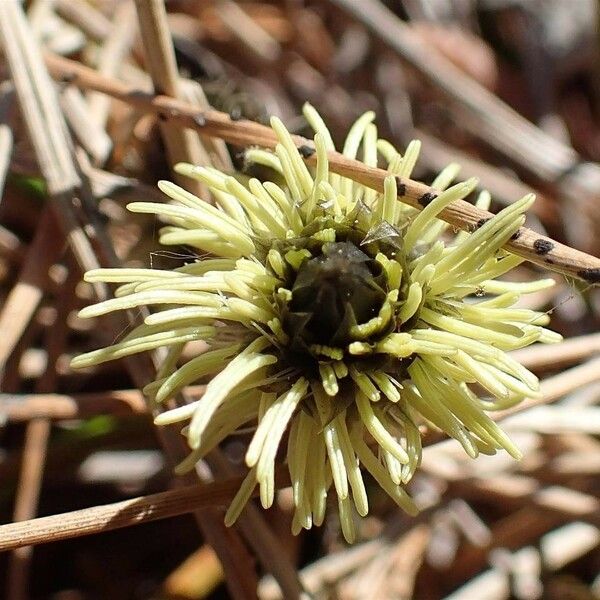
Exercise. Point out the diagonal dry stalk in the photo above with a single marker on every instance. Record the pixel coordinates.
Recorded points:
(25, 296)
(462, 215)
(130, 512)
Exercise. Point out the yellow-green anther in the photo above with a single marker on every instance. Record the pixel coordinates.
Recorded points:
(385, 385)
(300, 169)
(445, 177)
(325, 235)
(191, 371)
(424, 275)
(277, 329)
(328, 379)
(283, 200)
(327, 351)
(365, 385)
(285, 405)
(393, 270)
(142, 344)
(129, 275)
(249, 310)
(359, 493)
(241, 498)
(295, 258)
(262, 157)
(340, 368)
(321, 183)
(396, 344)
(387, 150)
(254, 208)
(364, 330)
(390, 198)
(409, 160)
(147, 298)
(377, 430)
(412, 302)
(359, 348)
(481, 374)
(456, 192)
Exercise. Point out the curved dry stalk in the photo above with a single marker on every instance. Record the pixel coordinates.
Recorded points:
(117, 515)
(462, 215)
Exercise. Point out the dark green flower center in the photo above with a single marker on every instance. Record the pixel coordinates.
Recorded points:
(333, 292)
(342, 288)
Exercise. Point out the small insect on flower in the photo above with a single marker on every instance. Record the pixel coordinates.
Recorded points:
(338, 321)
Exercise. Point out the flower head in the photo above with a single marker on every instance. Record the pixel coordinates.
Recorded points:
(338, 321)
